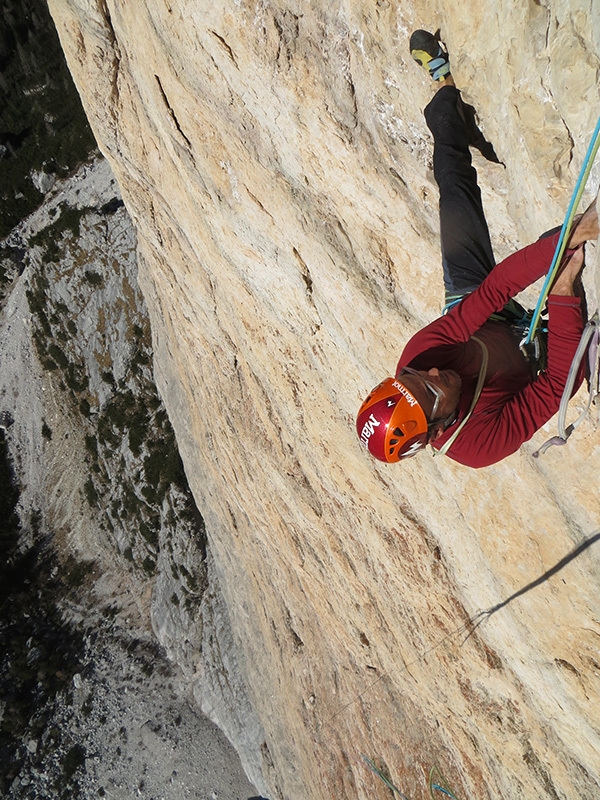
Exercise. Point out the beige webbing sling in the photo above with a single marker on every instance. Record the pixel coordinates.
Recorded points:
(480, 381)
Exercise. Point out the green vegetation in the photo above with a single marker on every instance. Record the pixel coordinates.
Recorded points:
(150, 532)
(50, 327)
(51, 237)
(40, 653)
(76, 572)
(36, 298)
(149, 566)
(91, 445)
(12, 263)
(43, 127)
(58, 356)
(76, 377)
(9, 497)
(86, 708)
(74, 759)
(91, 493)
(94, 278)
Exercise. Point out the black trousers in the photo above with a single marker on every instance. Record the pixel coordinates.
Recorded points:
(467, 256)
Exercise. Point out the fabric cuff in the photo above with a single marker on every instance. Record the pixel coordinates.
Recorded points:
(563, 300)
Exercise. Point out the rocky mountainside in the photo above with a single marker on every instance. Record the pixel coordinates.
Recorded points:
(276, 165)
(106, 572)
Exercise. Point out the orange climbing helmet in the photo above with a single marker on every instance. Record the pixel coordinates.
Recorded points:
(391, 424)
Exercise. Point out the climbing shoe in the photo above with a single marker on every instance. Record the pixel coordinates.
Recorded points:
(427, 50)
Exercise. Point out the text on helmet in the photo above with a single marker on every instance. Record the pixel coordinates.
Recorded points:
(368, 429)
(404, 391)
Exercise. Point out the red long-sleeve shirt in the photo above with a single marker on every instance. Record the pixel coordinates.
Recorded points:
(512, 406)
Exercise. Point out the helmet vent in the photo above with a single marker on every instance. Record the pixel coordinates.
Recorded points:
(398, 432)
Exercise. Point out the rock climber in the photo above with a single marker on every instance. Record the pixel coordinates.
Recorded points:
(463, 384)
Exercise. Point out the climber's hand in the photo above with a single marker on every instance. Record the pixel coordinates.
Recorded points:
(585, 226)
(569, 275)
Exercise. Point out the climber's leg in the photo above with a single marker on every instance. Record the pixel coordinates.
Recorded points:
(467, 255)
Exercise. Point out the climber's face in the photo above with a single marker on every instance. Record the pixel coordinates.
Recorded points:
(438, 391)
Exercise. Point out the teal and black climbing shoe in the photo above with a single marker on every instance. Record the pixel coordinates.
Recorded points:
(427, 50)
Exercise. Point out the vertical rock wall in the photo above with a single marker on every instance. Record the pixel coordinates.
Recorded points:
(276, 164)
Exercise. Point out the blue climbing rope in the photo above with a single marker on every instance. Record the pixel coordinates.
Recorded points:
(565, 230)
(438, 784)
(374, 768)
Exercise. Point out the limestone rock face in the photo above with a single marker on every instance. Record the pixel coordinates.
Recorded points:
(276, 164)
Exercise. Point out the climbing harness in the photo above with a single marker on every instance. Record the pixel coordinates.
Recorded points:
(589, 341)
(480, 381)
